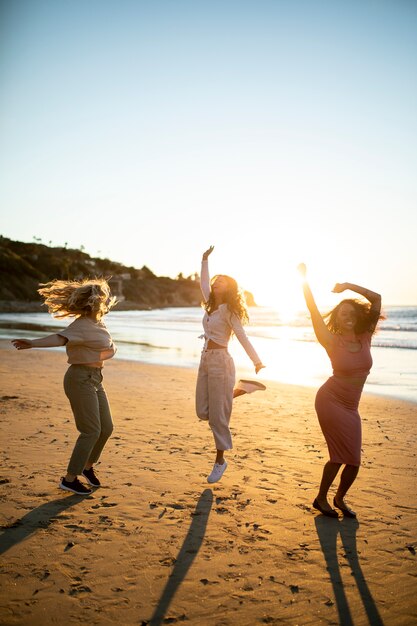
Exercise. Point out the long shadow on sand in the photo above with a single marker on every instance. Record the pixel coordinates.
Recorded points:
(327, 530)
(187, 554)
(40, 517)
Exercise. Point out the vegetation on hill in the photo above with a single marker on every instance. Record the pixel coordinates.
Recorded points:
(24, 265)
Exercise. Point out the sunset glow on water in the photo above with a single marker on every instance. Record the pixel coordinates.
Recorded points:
(286, 344)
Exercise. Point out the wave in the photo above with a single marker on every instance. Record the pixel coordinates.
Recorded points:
(375, 343)
(144, 344)
(378, 341)
(399, 327)
(30, 326)
(397, 346)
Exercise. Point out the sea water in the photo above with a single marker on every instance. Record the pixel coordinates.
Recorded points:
(287, 347)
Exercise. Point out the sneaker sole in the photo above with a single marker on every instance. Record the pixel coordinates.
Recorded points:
(210, 482)
(79, 493)
(90, 483)
(216, 480)
(249, 386)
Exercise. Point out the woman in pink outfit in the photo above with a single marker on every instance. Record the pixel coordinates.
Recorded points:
(346, 338)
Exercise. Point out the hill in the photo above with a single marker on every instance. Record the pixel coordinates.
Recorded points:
(24, 265)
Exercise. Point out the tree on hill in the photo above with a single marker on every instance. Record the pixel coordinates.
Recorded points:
(23, 266)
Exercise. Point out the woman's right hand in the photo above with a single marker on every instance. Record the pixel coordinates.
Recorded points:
(302, 268)
(207, 253)
(22, 344)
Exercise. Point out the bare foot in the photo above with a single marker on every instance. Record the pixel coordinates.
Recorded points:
(340, 504)
(322, 502)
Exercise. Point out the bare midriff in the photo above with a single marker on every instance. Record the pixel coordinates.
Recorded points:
(212, 345)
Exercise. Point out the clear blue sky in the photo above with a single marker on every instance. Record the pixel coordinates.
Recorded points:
(279, 131)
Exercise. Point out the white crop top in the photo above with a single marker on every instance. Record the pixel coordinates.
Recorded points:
(88, 341)
(218, 326)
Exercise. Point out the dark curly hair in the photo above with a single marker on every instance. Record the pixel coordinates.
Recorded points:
(367, 318)
(233, 297)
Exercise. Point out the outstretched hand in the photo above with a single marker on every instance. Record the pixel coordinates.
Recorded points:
(207, 253)
(302, 268)
(22, 344)
(339, 287)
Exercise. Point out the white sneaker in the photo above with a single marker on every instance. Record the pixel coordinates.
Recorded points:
(249, 386)
(217, 472)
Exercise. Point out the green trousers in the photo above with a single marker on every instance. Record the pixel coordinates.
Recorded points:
(83, 388)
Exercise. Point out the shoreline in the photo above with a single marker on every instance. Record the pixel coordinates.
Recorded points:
(5, 345)
(22, 306)
(156, 537)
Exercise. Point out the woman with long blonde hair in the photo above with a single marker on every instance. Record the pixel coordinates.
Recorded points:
(225, 312)
(88, 344)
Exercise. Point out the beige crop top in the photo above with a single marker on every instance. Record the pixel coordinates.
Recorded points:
(219, 325)
(88, 341)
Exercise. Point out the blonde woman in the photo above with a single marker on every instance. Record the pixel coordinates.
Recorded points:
(225, 311)
(88, 344)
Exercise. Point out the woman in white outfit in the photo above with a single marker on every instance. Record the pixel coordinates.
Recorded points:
(225, 313)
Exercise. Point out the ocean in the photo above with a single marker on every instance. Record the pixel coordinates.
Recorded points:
(287, 347)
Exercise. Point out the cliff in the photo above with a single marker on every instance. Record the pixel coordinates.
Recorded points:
(24, 265)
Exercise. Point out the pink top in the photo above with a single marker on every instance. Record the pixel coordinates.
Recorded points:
(88, 341)
(219, 325)
(348, 363)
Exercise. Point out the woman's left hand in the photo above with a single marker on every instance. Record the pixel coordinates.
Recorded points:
(259, 367)
(339, 287)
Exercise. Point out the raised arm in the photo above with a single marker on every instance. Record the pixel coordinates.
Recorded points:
(204, 275)
(51, 341)
(323, 334)
(372, 297)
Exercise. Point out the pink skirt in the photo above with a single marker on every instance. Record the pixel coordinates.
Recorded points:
(337, 409)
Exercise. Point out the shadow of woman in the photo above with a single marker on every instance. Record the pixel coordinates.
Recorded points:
(189, 550)
(327, 530)
(40, 517)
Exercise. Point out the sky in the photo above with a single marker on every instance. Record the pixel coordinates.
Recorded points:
(278, 131)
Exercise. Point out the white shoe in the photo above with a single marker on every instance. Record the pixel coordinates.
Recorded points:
(217, 472)
(249, 386)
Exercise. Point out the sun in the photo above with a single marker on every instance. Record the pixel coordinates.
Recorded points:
(284, 295)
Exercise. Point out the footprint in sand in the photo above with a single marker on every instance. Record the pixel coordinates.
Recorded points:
(168, 561)
(76, 589)
(205, 581)
(104, 504)
(221, 510)
(77, 527)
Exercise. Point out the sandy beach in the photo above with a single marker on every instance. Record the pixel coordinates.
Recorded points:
(157, 545)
